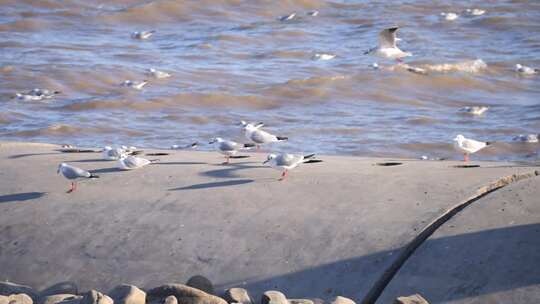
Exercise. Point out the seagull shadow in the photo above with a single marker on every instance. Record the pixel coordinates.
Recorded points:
(19, 197)
(180, 163)
(29, 154)
(230, 171)
(90, 160)
(215, 184)
(106, 170)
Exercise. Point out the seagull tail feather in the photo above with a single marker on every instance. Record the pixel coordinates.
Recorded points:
(249, 145)
(309, 156)
(311, 161)
(489, 143)
(282, 138)
(92, 175)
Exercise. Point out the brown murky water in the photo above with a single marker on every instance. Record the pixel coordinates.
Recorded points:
(233, 60)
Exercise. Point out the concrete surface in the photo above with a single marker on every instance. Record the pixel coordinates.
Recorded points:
(330, 229)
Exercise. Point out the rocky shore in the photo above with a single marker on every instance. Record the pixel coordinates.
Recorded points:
(197, 290)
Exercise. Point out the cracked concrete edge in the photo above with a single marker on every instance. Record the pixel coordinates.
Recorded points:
(375, 292)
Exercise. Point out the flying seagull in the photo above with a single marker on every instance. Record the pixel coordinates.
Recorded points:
(387, 47)
(142, 35)
(74, 174)
(285, 162)
(228, 147)
(468, 146)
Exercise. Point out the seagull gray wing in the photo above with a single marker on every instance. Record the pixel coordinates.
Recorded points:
(287, 160)
(136, 162)
(387, 38)
(472, 144)
(261, 137)
(228, 145)
(71, 172)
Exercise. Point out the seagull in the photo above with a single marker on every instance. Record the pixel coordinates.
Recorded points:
(74, 174)
(158, 74)
(313, 13)
(228, 147)
(474, 110)
(285, 162)
(374, 66)
(323, 56)
(130, 162)
(525, 70)
(287, 17)
(258, 136)
(142, 35)
(468, 146)
(36, 94)
(387, 47)
(179, 147)
(530, 138)
(475, 12)
(110, 153)
(137, 85)
(450, 16)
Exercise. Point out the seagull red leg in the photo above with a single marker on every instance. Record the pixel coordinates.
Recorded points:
(72, 188)
(283, 175)
(465, 157)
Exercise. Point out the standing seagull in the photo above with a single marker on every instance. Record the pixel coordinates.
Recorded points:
(258, 136)
(74, 174)
(285, 162)
(130, 162)
(387, 47)
(228, 147)
(468, 146)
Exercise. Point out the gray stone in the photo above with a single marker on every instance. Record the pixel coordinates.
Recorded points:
(60, 289)
(8, 288)
(20, 298)
(414, 299)
(238, 295)
(95, 297)
(171, 300)
(127, 294)
(342, 300)
(184, 294)
(300, 301)
(273, 296)
(61, 299)
(201, 283)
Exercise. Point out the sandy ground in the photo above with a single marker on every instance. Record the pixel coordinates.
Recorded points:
(330, 229)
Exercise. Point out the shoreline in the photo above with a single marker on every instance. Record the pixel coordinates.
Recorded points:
(329, 230)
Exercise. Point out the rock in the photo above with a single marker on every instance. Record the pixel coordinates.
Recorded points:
(61, 299)
(184, 294)
(127, 294)
(61, 288)
(273, 296)
(237, 295)
(171, 300)
(4, 300)
(414, 299)
(201, 283)
(300, 301)
(20, 298)
(95, 297)
(8, 288)
(342, 300)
